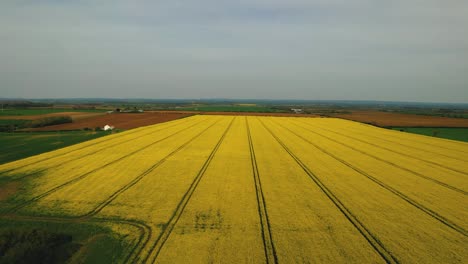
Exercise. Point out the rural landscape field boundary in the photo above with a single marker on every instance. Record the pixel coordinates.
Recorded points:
(233, 132)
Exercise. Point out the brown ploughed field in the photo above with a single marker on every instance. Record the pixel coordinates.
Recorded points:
(386, 119)
(133, 120)
(119, 121)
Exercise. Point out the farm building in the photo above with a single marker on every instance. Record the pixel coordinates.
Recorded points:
(296, 110)
(107, 127)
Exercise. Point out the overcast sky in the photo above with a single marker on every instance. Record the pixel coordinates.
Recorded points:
(401, 50)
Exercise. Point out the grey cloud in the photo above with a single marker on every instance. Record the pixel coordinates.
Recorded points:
(381, 50)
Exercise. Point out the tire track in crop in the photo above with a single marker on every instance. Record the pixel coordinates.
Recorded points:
(111, 198)
(436, 146)
(82, 176)
(169, 226)
(87, 154)
(383, 160)
(428, 144)
(419, 206)
(353, 130)
(371, 238)
(268, 245)
(84, 147)
(145, 230)
(145, 234)
(91, 145)
(114, 196)
(394, 151)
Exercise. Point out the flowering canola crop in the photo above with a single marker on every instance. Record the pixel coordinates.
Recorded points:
(223, 189)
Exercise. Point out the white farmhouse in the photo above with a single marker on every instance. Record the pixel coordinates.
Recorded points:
(107, 127)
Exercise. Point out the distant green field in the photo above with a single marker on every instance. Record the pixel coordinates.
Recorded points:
(42, 111)
(21, 145)
(232, 108)
(86, 238)
(460, 134)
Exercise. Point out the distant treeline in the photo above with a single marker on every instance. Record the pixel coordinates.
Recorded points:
(42, 122)
(49, 121)
(24, 104)
(35, 246)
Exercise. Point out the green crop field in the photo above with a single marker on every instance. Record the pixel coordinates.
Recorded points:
(456, 133)
(54, 242)
(21, 145)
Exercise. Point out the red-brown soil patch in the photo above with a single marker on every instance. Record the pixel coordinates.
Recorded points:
(388, 119)
(118, 120)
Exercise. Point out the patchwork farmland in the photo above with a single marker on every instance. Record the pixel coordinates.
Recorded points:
(237, 189)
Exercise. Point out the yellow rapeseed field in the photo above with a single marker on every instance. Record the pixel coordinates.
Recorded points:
(236, 189)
